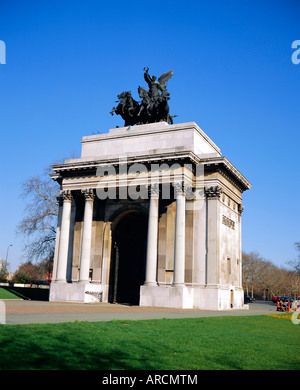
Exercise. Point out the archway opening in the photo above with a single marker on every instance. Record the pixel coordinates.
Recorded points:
(128, 263)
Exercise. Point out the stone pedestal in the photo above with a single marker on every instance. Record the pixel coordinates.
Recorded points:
(178, 297)
(76, 292)
(193, 297)
(214, 297)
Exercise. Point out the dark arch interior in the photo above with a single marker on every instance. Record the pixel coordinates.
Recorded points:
(128, 265)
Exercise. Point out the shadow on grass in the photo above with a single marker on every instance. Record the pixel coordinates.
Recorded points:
(25, 348)
(38, 359)
(29, 293)
(227, 343)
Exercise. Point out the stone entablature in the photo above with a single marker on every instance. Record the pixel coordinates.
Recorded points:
(193, 258)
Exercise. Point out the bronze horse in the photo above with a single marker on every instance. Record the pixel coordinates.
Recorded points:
(127, 108)
(154, 110)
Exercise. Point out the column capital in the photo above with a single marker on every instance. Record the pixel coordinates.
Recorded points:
(213, 192)
(66, 195)
(153, 190)
(182, 188)
(179, 188)
(88, 193)
(189, 192)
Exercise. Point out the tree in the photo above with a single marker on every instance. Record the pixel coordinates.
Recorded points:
(44, 268)
(268, 277)
(3, 274)
(251, 271)
(262, 278)
(26, 273)
(293, 283)
(296, 263)
(39, 223)
(29, 272)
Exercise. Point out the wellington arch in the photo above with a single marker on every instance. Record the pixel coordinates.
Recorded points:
(150, 215)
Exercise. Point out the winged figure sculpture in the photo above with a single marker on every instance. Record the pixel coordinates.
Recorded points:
(157, 85)
(154, 105)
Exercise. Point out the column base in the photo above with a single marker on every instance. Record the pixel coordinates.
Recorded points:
(150, 284)
(178, 285)
(76, 292)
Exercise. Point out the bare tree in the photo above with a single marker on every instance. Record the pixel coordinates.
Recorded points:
(251, 272)
(39, 223)
(262, 278)
(268, 278)
(295, 264)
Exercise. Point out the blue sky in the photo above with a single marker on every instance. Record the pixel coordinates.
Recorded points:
(67, 60)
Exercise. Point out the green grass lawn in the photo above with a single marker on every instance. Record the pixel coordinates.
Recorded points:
(227, 343)
(37, 294)
(5, 294)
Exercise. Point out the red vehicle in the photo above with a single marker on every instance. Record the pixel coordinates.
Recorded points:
(282, 298)
(275, 299)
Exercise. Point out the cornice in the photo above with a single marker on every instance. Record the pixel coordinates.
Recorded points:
(221, 164)
(224, 163)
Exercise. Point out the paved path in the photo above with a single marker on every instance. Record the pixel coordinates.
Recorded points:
(29, 312)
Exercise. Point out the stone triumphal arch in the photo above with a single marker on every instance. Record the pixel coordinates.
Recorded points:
(150, 215)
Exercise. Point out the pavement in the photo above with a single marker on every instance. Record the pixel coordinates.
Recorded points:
(34, 312)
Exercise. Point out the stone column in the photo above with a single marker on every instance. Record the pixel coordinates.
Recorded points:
(86, 240)
(240, 276)
(151, 262)
(212, 234)
(179, 255)
(57, 238)
(62, 257)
